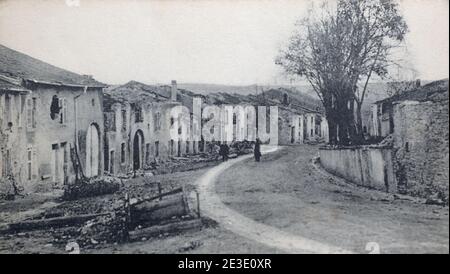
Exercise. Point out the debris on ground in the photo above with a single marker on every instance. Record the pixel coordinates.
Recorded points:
(114, 218)
(111, 228)
(142, 204)
(91, 187)
(190, 246)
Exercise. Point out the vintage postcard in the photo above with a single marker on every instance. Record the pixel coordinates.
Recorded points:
(220, 126)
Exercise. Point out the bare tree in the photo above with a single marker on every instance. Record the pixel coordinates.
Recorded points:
(338, 50)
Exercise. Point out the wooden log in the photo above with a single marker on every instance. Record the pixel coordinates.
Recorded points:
(166, 228)
(50, 222)
(159, 210)
(160, 196)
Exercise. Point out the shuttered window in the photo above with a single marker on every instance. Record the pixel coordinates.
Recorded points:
(32, 170)
(31, 113)
(63, 111)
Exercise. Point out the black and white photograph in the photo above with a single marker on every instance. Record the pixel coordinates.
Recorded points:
(224, 127)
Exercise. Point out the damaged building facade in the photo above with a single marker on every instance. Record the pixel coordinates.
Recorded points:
(138, 133)
(413, 157)
(417, 122)
(51, 123)
(138, 124)
(57, 126)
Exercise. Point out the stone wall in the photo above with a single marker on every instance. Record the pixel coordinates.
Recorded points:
(417, 163)
(40, 155)
(421, 142)
(364, 166)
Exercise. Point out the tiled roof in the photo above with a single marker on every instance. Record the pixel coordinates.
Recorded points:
(16, 64)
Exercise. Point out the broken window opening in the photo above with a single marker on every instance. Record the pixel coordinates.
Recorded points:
(171, 146)
(138, 117)
(29, 163)
(122, 153)
(55, 107)
(124, 120)
(156, 148)
(147, 153)
(111, 161)
(157, 123)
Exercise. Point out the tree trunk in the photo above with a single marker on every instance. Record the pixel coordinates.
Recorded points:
(332, 130)
(359, 125)
(344, 119)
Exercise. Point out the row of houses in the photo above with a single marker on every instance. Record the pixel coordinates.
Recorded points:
(137, 124)
(57, 126)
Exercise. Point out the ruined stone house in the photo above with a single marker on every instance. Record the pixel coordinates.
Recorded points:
(381, 122)
(413, 158)
(421, 140)
(298, 127)
(137, 131)
(51, 123)
(57, 126)
(300, 118)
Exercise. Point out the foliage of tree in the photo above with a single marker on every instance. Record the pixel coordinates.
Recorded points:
(338, 50)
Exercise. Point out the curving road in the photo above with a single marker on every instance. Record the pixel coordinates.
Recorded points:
(286, 203)
(246, 227)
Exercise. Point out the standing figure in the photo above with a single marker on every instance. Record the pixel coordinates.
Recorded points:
(257, 150)
(224, 150)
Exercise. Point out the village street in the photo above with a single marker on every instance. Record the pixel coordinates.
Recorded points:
(286, 203)
(295, 206)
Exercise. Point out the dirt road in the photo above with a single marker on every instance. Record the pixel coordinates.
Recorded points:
(284, 202)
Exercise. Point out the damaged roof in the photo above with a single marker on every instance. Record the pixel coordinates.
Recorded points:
(135, 92)
(7, 85)
(19, 65)
(434, 91)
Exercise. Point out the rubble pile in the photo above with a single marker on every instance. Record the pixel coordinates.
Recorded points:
(241, 148)
(92, 187)
(107, 210)
(115, 218)
(180, 164)
(110, 228)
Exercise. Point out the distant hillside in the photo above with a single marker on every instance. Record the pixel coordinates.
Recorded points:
(242, 90)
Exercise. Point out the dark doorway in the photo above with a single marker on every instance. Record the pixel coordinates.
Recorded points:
(292, 135)
(138, 142)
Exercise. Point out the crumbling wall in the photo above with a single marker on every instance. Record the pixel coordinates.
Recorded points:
(34, 150)
(285, 127)
(13, 149)
(365, 166)
(421, 141)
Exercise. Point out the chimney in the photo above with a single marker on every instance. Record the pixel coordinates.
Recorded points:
(174, 91)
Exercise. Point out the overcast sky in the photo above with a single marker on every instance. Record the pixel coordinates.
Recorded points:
(226, 42)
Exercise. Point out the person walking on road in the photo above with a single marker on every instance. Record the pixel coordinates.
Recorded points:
(257, 150)
(224, 150)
